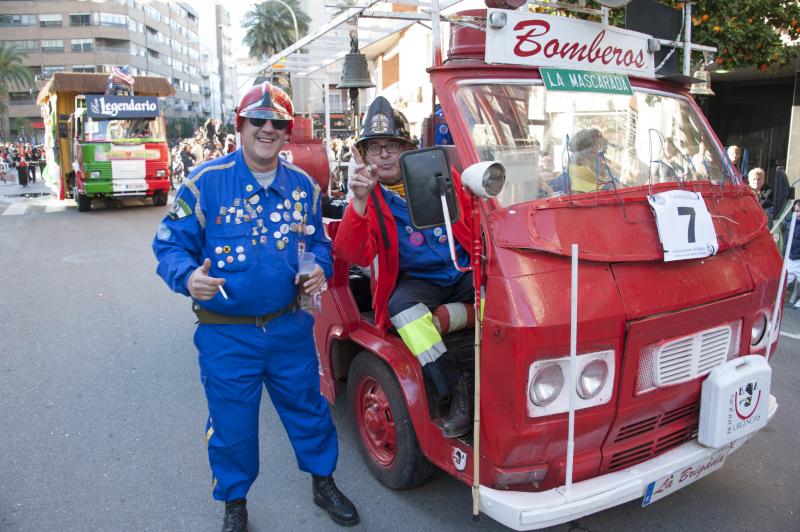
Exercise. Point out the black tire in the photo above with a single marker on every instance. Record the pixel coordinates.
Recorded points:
(160, 197)
(406, 467)
(82, 200)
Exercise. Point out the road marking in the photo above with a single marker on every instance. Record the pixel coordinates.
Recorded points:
(15, 209)
(790, 335)
(55, 208)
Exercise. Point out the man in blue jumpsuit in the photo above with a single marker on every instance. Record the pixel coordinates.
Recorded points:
(231, 241)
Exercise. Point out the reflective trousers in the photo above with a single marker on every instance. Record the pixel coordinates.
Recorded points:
(236, 361)
(410, 309)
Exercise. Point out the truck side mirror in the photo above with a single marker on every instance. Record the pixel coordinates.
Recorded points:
(426, 176)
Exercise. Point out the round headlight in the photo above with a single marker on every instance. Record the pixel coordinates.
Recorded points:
(592, 379)
(484, 179)
(758, 328)
(546, 385)
(95, 174)
(494, 179)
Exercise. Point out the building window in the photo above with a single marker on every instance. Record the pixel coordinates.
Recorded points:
(48, 71)
(109, 19)
(82, 45)
(52, 45)
(24, 45)
(46, 21)
(391, 71)
(84, 68)
(80, 19)
(335, 101)
(21, 98)
(18, 20)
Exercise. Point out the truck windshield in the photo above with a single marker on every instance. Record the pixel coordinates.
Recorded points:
(133, 129)
(554, 143)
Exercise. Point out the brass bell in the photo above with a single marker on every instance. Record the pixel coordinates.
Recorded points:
(702, 87)
(355, 73)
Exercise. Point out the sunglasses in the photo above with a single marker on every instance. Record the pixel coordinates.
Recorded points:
(280, 125)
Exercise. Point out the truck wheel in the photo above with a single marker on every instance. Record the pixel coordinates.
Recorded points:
(160, 197)
(82, 200)
(388, 443)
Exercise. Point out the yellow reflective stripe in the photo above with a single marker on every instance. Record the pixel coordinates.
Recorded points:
(214, 484)
(209, 433)
(483, 301)
(420, 335)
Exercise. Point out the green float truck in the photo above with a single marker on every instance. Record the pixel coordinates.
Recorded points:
(105, 146)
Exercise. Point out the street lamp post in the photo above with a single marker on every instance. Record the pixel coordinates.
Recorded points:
(294, 19)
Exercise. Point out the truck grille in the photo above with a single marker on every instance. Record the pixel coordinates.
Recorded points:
(645, 451)
(128, 169)
(679, 360)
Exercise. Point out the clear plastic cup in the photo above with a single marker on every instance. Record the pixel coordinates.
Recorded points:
(305, 265)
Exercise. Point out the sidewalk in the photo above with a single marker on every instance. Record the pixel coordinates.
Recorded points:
(11, 187)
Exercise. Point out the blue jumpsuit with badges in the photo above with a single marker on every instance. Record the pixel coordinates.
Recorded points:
(252, 236)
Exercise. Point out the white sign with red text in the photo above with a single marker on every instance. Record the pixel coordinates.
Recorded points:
(675, 481)
(542, 40)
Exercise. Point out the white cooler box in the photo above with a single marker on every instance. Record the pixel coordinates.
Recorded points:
(734, 400)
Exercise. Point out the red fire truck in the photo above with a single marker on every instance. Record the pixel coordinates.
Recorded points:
(629, 282)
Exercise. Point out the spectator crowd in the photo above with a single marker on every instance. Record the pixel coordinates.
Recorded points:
(28, 159)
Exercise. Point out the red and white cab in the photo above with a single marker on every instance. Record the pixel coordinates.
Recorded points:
(572, 147)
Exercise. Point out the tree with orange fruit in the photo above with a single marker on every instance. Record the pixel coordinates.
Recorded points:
(761, 34)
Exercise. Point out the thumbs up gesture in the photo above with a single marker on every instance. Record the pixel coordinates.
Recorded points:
(202, 286)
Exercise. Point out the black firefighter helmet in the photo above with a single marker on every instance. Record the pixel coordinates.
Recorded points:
(384, 122)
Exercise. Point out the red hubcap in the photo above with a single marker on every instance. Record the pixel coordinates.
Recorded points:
(375, 421)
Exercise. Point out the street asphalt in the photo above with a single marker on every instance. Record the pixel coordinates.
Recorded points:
(102, 412)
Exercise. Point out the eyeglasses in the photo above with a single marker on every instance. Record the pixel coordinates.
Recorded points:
(392, 147)
(280, 125)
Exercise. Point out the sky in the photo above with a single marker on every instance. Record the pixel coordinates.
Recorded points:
(237, 9)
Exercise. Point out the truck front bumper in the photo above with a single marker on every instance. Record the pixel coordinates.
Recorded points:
(531, 511)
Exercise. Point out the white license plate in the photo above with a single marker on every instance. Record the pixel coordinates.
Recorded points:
(675, 481)
(135, 187)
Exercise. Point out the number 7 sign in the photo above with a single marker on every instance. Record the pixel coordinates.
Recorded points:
(684, 225)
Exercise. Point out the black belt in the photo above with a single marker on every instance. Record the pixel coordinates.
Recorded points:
(214, 318)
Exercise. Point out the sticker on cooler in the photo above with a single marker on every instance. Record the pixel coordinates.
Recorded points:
(671, 483)
(684, 224)
(734, 401)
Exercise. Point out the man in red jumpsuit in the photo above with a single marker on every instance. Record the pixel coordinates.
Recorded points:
(411, 269)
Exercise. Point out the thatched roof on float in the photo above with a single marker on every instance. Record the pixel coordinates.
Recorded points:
(95, 83)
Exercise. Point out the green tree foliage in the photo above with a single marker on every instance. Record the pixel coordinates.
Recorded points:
(748, 33)
(269, 27)
(12, 71)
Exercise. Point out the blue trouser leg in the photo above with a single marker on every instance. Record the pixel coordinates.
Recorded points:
(235, 361)
(231, 369)
(292, 380)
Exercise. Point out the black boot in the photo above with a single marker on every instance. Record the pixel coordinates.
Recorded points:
(328, 497)
(459, 422)
(235, 516)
